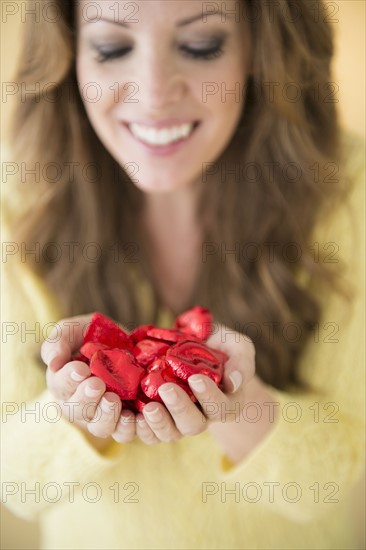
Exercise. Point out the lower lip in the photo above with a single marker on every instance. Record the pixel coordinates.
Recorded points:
(164, 149)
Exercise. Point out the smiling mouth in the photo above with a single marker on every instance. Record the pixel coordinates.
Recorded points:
(162, 137)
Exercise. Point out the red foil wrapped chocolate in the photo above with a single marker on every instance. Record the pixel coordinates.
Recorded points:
(195, 322)
(188, 358)
(135, 365)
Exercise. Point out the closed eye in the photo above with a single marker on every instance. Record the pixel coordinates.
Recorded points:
(206, 54)
(113, 54)
(200, 54)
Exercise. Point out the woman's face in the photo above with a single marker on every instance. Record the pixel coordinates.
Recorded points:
(147, 82)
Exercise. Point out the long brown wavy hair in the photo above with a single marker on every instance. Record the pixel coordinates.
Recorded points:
(267, 215)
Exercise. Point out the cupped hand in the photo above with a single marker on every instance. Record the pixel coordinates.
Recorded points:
(179, 416)
(82, 397)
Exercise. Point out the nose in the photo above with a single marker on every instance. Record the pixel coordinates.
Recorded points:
(161, 83)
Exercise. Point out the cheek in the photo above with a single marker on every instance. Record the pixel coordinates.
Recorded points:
(223, 88)
(224, 97)
(82, 68)
(95, 91)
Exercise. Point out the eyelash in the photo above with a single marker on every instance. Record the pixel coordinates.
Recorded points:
(204, 55)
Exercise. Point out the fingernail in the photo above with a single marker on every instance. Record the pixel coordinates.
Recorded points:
(77, 377)
(51, 356)
(154, 415)
(127, 420)
(90, 392)
(107, 406)
(197, 384)
(170, 396)
(117, 437)
(236, 379)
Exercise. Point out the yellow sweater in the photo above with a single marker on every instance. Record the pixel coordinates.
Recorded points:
(293, 491)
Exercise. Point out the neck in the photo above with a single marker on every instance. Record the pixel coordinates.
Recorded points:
(172, 242)
(173, 211)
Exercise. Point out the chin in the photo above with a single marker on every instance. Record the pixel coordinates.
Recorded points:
(159, 186)
(151, 190)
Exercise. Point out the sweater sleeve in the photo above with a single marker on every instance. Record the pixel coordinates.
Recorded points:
(315, 451)
(39, 446)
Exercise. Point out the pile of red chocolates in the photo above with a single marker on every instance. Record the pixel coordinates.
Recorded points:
(135, 365)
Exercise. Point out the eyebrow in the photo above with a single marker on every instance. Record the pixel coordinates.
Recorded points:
(182, 23)
(199, 16)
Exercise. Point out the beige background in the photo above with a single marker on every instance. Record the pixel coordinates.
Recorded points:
(348, 73)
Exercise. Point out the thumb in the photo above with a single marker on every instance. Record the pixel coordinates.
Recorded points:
(240, 367)
(65, 339)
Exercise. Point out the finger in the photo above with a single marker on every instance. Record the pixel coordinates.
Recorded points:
(65, 339)
(240, 348)
(85, 400)
(144, 432)
(106, 416)
(63, 383)
(161, 422)
(215, 404)
(126, 427)
(187, 417)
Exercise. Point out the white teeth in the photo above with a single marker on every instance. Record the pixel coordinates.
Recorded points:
(163, 136)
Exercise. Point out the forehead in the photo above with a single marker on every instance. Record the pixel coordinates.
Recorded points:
(141, 13)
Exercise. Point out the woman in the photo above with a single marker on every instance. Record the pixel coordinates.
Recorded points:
(198, 160)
